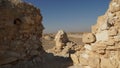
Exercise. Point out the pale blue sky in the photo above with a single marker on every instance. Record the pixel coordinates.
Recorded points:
(70, 15)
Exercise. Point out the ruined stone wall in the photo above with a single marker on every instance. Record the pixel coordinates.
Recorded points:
(102, 46)
(20, 35)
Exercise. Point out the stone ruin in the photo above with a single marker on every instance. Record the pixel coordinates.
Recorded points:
(21, 32)
(102, 46)
(64, 47)
(20, 35)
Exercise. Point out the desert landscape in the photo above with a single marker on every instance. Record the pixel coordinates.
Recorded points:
(23, 44)
(48, 39)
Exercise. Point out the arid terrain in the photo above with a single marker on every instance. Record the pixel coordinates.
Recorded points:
(24, 45)
(49, 42)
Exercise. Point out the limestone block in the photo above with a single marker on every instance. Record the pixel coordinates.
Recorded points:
(109, 48)
(112, 31)
(61, 36)
(84, 59)
(101, 20)
(94, 62)
(104, 26)
(66, 50)
(111, 42)
(77, 47)
(99, 48)
(88, 47)
(75, 59)
(117, 38)
(61, 39)
(106, 63)
(88, 38)
(102, 36)
(114, 7)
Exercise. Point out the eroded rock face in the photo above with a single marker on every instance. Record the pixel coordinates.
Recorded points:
(104, 51)
(20, 33)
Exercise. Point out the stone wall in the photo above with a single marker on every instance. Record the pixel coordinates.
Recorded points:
(20, 35)
(102, 46)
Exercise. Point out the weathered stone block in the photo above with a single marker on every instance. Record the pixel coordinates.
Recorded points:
(61, 39)
(84, 58)
(88, 47)
(94, 62)
(88, 38)
(112, 31)
(111, 42)
(106, 63)
(75, 59)
(20, 29)
(102, 36)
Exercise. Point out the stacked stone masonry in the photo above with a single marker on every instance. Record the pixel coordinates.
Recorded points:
(102, 46)
(20, 33)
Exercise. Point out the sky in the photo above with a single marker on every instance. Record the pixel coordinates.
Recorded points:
(70, 15)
